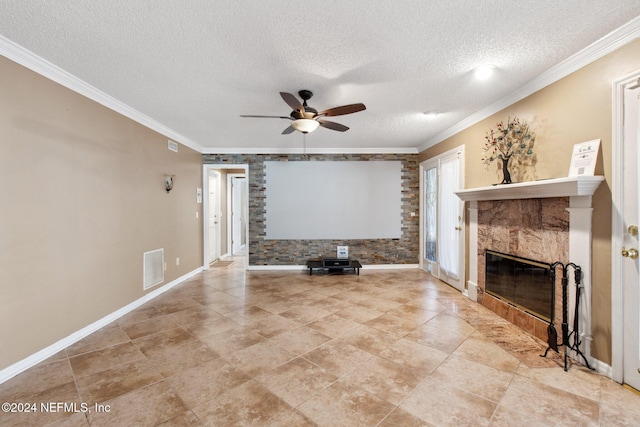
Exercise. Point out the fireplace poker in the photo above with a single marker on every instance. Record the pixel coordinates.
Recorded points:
(552, 334)
(577, 273)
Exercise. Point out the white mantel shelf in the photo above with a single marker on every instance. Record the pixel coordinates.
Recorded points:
(557, 187)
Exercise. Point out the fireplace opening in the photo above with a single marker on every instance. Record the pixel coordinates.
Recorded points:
(522, 282)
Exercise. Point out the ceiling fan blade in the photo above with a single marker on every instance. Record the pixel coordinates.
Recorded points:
(266, 117)
(288, 130)
(292, 101)
(333, 126)
(345, 109)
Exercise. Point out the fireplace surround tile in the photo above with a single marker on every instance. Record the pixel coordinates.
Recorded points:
(537, 229)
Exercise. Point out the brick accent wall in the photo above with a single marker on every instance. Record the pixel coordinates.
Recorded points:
(296, 252)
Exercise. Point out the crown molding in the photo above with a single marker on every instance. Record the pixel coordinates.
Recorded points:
(607, 44)
(275, 150)
(45, 68)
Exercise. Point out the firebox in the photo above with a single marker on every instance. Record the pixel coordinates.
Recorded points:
(524, 283)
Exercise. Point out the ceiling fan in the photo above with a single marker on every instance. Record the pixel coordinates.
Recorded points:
(306, 119)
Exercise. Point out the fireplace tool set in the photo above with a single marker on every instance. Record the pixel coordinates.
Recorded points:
(552, 335)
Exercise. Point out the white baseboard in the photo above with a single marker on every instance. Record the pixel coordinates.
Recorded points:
(276, 267)
(602, 368)
(30, 361)
(391, 266)
(472, 291)
(304, 267)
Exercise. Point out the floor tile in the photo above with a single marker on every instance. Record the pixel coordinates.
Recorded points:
(300, 340)
(418, 356)
(441, 339)
(232, 340)
(369, 339)
(340, 405)
(106, 337)
(387, 380)
(273, 325)
(618, 406)
(148, 406)
(36, 414)
(338, 357)
(296, 381)
(282, 348)
(103, 359)
(333, 325)
(482, 350)
(186, 419)
(442, 404)
(399, 417)
(249, 404)
(481, 380)
(161, 341)
(170, 361)
(41, 377)
(109, 384)
(527, 402)
(259, 358)
(207, 381)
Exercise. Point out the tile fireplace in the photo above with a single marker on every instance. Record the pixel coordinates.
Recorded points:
(548, 221)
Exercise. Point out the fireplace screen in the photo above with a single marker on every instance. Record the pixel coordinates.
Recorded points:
(522, 282)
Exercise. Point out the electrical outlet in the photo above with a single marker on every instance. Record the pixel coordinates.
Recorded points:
(178, 261)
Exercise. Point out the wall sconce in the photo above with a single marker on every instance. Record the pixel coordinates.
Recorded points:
(168, 182)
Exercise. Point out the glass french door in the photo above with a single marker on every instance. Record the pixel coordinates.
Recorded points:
(442, 219)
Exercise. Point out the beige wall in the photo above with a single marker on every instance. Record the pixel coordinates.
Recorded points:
(575, 109)
(82, 198)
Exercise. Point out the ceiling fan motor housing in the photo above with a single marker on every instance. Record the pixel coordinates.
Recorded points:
(305, 94)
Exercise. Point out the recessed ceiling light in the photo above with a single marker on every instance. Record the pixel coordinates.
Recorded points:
(484, 72)
(431, 114)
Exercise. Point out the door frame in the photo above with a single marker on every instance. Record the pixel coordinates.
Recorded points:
(205, 216)
(617, 226)
(462, 248)
(207, 213)
(230, 178)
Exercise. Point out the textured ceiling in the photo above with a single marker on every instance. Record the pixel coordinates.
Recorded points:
(195, 66)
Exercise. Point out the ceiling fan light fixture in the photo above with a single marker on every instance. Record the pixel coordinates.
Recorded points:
(305, 125)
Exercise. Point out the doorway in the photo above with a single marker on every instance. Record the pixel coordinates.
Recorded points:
(237, 202)
(213, 215)
(218, 237)
(624, 240)
(442, 236)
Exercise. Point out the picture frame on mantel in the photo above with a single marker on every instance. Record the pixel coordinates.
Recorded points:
(584, 158)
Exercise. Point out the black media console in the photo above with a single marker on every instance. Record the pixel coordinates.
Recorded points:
(334, 265)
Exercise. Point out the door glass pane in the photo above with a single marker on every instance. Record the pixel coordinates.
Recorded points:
(430, 209)
(449, 217)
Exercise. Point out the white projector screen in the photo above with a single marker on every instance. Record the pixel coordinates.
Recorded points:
(333, 200)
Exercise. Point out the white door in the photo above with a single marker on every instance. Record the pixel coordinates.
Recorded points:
(442, 233)
(631, 278)
(214, 215)
(237, 213)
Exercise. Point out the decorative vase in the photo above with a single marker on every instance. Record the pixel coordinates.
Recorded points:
(506, 176)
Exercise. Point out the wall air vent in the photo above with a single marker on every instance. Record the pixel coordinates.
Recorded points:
(153, 268)
(172, 145)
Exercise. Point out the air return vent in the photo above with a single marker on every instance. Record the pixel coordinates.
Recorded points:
(153, 268)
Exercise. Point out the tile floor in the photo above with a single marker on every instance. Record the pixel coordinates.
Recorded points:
(386, 348)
